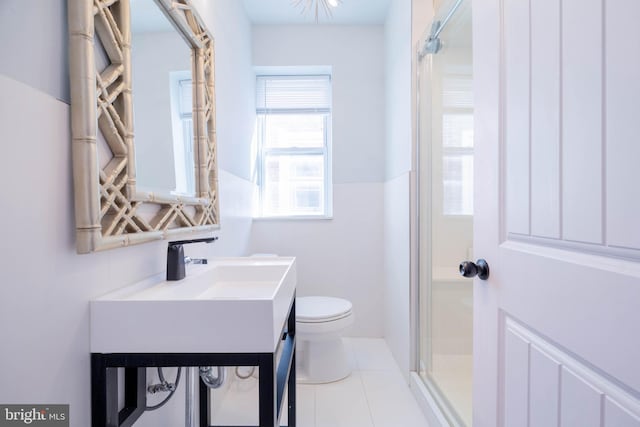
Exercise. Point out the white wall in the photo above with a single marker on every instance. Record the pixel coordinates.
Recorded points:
(397, 270)
(46, 286)
(397, 189)
(33, 44)
(343, 256)
(397, 53)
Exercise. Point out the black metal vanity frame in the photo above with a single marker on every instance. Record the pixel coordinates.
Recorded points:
(273, 379)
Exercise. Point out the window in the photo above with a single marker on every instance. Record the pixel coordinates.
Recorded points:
(294, 131)
(457, 142)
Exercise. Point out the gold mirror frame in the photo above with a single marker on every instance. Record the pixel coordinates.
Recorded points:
(109, 211)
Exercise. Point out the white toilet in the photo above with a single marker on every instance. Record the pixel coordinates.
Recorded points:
(320, 354)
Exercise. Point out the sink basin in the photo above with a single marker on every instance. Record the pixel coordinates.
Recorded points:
(232, 305)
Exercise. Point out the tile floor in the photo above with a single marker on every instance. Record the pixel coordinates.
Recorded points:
(374, 395)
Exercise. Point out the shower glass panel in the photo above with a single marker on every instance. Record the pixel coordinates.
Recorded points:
(446, 214)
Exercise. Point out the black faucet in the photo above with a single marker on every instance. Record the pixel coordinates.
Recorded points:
(176, 259)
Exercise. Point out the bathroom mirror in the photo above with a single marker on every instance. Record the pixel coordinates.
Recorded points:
(112, 210)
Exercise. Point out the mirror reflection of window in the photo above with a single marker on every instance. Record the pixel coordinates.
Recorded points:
(162, 106)
(182, 127)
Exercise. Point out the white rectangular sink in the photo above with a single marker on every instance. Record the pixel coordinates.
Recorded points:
(232, 305)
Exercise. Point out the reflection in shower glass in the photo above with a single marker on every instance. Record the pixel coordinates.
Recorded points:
(446, 159)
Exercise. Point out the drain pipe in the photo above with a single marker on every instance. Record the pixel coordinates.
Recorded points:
(190, 408)
(206, 373)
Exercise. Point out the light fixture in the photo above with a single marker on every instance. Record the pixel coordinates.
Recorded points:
(315, 6)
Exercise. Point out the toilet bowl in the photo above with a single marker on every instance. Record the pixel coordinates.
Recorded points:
(320, 354)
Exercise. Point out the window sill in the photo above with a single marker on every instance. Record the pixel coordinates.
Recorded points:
(294, 218)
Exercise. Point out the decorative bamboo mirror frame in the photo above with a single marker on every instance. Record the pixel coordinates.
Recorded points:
(109, 211)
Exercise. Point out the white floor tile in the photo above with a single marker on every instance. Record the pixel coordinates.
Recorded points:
(342, 404)
(305, 407)
(391, 401)
(374, 395)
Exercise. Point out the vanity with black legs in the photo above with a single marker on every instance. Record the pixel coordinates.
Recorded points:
(226, 312)
(275, 377)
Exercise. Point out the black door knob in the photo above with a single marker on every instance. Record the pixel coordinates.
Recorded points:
(480, 269)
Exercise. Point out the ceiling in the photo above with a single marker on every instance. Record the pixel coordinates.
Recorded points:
(349, 12)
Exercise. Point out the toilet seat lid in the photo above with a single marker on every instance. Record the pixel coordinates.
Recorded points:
(321, 309)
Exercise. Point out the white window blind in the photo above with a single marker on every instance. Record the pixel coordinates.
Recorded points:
(186, 97)
(457, 91)
(182, 117)
(283, 93)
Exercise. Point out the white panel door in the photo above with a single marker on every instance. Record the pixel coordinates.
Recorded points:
(557, 213)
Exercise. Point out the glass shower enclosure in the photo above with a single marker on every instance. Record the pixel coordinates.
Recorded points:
(445, 209)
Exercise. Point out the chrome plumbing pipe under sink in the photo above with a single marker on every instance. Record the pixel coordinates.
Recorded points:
(190, 403)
